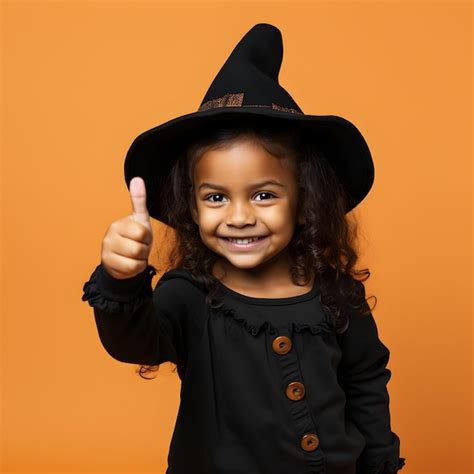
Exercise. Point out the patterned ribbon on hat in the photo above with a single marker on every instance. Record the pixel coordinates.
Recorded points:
(235, 100)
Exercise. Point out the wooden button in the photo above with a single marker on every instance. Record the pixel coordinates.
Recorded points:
(295, 391)
(282, 344)
(309, 442)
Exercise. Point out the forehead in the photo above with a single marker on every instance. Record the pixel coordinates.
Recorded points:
(244, 161)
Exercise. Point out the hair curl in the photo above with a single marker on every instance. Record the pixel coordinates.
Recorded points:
(324, 245)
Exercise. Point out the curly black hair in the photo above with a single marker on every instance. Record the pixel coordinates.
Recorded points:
(324, 246)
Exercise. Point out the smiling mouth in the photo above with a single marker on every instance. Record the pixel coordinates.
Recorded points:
(244, 245)
(251, 239)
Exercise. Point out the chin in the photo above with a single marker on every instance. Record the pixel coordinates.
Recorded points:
(244, 265)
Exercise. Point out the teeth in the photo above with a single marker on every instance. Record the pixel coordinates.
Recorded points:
(243, 241)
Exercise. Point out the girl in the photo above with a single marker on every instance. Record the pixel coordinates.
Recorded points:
(278, 353)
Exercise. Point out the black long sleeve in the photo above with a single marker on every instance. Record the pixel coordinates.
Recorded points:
(135, 323)
(364, 377)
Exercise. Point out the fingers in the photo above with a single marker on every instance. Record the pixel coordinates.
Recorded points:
(133, 231)
(130, 248)
(124, 257)
(138, 198)
(123, 267)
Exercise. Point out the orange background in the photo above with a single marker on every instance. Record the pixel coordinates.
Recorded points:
(82, 79)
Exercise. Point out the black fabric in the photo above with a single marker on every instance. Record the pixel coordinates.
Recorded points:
(234, 415)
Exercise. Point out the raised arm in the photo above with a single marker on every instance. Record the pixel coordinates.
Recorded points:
(135, 324)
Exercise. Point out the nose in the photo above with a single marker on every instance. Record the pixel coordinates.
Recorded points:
(239, 214)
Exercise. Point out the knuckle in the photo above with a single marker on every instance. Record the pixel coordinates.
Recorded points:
(128, 267)
(114, 225)
(136, 267)
(141, 232)
(136, 248)
(106, 243)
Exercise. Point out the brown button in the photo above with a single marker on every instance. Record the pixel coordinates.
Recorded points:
(295, 391)
(309, 442)
(281, 344)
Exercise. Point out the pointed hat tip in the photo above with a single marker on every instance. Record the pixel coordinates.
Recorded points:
(265, 28)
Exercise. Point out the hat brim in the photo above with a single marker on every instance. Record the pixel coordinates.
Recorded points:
(153, 152)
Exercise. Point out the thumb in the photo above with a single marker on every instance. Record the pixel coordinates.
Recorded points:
(138, 198)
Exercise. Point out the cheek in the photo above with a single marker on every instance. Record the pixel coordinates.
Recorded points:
(280, 217)
(208, 219)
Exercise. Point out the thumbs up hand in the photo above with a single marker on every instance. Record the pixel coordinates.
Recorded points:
(128, 240)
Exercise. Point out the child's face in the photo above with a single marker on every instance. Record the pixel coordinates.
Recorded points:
(235, 205)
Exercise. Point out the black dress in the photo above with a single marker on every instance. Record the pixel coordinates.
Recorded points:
(267, 386)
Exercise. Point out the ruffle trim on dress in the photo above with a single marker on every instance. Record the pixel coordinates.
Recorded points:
(129, 303)
(316, 328)
(386, 467)
(255, 327)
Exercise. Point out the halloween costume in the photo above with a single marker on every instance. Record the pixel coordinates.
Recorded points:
(267, 384)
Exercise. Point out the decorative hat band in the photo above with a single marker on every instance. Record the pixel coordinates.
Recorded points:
(235, 100)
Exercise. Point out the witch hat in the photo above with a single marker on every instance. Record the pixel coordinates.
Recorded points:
(247, 85)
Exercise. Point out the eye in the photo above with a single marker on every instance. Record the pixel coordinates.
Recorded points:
(265, 192)
(210, 196)
(207, 198)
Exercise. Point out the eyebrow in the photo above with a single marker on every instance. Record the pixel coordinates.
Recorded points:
(255, 185)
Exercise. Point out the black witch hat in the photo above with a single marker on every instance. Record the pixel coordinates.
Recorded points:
(247, 85)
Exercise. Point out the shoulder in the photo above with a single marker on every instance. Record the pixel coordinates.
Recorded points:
(348, 294)
(179, 277)
(345, 283)
(178, 290)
